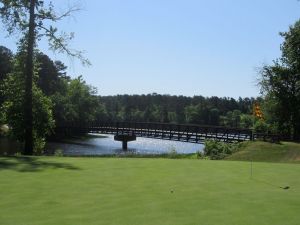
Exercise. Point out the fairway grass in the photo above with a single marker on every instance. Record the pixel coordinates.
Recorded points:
(127, 191)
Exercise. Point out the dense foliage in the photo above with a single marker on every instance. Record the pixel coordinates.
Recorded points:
(280, 84)
(34, 20)
(56, 97)
(180, 109)
(219, 150)
(13, 88)
(6, 57)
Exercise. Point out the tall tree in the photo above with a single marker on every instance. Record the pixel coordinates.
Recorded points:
(48, 75)
(6, 57)
(14, 86)
(28, 150)
(34, 20)
(280, 84)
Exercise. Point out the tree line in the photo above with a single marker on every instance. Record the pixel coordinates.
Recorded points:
(214, 111)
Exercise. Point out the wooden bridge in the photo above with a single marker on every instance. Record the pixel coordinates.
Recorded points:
(176, 132)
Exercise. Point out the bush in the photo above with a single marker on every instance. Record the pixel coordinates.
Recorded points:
(172, 152)
(199, 155)
(261, 126)
(219, 150)
(59, 153)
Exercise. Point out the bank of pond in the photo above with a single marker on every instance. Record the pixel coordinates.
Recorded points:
(94, 145)
(104, 145)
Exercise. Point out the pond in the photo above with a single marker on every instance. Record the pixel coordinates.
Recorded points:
(105, 145)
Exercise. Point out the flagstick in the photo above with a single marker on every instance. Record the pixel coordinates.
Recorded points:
(251, 154)
(257, 113)
(251, 168)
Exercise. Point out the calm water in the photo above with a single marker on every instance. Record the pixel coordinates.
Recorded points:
(103, 145)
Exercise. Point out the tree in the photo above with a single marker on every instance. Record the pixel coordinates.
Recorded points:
(48, 76)
(214, 117)
(34, 20)
(14, 86)
(246, 121)
(280, 85)
(81, 102)
(6, 57)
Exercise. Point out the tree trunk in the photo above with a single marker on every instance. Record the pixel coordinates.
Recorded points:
(28, 150)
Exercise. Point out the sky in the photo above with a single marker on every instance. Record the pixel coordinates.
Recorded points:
(176, 47)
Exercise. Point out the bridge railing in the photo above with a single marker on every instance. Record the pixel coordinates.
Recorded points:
(180, 132)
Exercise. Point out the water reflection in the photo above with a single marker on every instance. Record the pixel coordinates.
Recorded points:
(105, 145)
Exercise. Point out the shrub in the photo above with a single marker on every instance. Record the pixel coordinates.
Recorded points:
(199, 154)
(172, 152)
(219, 150)
(58, 152)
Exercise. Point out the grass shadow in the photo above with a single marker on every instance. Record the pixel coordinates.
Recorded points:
(32, 164)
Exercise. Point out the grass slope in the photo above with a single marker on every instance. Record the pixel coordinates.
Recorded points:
(95, 191)
(267, 152)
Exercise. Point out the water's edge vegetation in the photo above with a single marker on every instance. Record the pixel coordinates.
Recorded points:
(287, 152)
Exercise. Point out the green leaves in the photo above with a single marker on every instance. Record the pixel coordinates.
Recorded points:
(15, 17)
(219, 150)
(280, 85)
(28, 18)
(43, 122)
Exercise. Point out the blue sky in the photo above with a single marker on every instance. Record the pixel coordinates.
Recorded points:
(177, 47)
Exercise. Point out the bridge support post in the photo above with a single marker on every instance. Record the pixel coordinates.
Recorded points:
(125, 137)
(124, 145)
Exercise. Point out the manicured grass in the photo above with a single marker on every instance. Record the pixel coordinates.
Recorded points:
(128, 191)
(267, 152)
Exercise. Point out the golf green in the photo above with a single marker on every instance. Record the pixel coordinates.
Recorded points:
(78, 191)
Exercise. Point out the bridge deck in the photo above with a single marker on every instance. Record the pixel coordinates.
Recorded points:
(177, 132)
